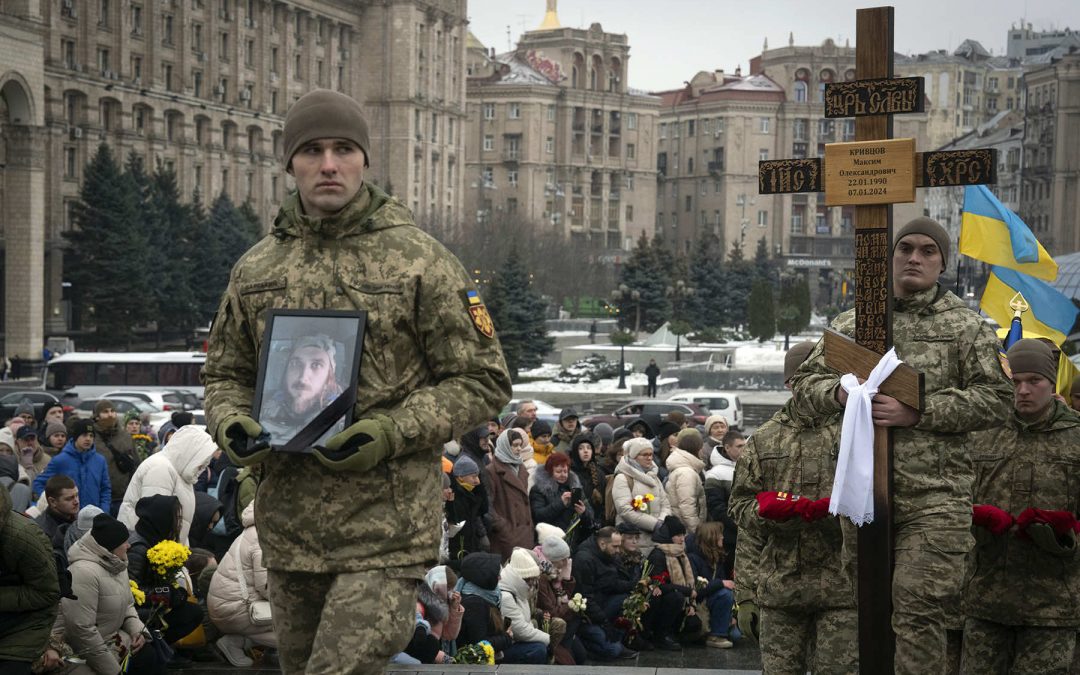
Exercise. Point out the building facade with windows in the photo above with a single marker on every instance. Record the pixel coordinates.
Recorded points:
(202, 87)
(557, 137)
(712, 134)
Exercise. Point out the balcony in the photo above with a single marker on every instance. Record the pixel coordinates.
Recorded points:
(512, 155)
(715, 167)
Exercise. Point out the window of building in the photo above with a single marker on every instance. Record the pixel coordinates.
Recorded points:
(197, 82)
(691, 129)
(800, 129)
(631, 151)
(249, 53)
(763, 218)
(434, 127)
(136, 19)
(104, 62)
(513, 111)
(631, 120)
(629, 213)
(167, 30)
(167, 75)
(763, 125)
(797, 220)
(224, 55)
(628, 182)
(512, 177)
(488, 175)
(67, 50)
(103, 13)
(320, 75)
(489, 143)
(763, 155)
(489, 111)
(296, 67)
(663, 130)
(551, 113)
(136, 67)
(690, 165)
(70, 162)
(140, 120)
(549, 145)
(799, 91)
(688, 204)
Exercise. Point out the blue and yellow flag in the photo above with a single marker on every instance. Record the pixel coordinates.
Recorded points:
(1051, 314)
(1066, 371)
(992, 233)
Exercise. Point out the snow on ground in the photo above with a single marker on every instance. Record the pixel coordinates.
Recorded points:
(758, 356)
(567, 333)
(602, 387)
(545, 371)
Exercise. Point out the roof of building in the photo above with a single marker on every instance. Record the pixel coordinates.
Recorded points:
(757, 87)
(1002, 127)
(473, 42)
(520, 71)
(1068, 278)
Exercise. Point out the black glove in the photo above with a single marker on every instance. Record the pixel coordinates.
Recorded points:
(234, 435)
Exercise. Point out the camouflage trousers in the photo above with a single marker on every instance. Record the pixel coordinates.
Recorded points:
(824, 642)
(995, 649)
(927, 579)
(341, 623)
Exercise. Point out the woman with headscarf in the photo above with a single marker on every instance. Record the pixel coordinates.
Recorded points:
(558, 499)
(511, 522)
(715, 428)
(635, 478)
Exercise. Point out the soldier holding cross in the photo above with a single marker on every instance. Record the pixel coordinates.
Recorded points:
(966, 390)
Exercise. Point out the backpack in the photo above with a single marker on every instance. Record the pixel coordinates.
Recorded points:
(609, 503)
(228, 492)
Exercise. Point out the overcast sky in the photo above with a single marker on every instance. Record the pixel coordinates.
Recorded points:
(671, 40)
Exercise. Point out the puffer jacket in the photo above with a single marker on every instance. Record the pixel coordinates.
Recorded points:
(173, 471)
(9, 482)
(792, 564)
(545, 499)
(1018, 466)
(104, 608)
(29, 589)
(225, 602)
(88, 469)
(429, 363)
(643, 484)
(515, 607)
(685, 491)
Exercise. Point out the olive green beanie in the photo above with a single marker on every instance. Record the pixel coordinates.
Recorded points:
(932, 229)
(323, 113)
(1032, 356)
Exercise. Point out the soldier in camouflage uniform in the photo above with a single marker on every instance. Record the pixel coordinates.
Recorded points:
(799, 573)
(347, 530)
(965, 390)
(1022, 593)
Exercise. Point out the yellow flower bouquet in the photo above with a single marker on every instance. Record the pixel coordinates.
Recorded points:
(642, 502)
(136, 593)
(481, 653)
(165, 560)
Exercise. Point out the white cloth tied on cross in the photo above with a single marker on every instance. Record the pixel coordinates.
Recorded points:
(853, 484)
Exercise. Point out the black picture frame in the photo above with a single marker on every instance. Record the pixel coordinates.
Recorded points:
(331, 340)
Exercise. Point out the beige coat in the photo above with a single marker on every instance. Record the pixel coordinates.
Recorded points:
(685, 491)
(104, 609)
(644, 483)
(225, 602)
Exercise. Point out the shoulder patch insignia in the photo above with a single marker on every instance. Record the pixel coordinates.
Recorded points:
(479, 314)
(1005, 364)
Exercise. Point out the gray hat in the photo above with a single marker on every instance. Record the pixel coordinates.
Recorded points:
(605, 432)
(1032, 356)
(932, 229)
(465, 466)
(323, 113)
(555, 549)
(26, 407)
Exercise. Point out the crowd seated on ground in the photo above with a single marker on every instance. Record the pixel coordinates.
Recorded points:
(563, 546)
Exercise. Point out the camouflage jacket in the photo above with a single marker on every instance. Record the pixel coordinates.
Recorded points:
(791, 564)
(965, 390)
(426, 364)
(1022, 465)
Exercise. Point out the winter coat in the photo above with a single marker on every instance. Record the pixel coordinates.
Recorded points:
(562, 439)
(597, 576)
(623, 494)
(429, 364)
(515, 607)
(718, 482)
(205, 508)
(104, 607)
(685, 492)
(712, 573)
(88, 469)
(554, 588)
(541, 452)
(29, 590)
(226, 603)
(481, 619)
(547, 505)
(116, 446)
(470, 507)
(593, 477)
(173, 471)
(511, 515)
(791, 564)
(53, 524)
(9, 481)
(1023, 465)
(156, 523)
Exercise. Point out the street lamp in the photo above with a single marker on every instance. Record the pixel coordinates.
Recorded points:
(621, 338)
(624, 294)
(742, 201)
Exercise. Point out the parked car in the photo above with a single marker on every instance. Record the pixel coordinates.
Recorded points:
(715, 403)
(198, 421)
(544, 411)
(631, 411)
(168, 400)
(9, 403)
(122, 405)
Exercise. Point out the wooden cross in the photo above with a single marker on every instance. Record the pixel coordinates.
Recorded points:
(873, 173)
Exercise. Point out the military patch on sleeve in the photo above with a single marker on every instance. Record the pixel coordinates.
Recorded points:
(479, 314)
(1005, 364)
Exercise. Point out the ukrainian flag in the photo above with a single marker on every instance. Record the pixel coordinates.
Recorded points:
(1051, 314)
(992, 233)
(1066, 371)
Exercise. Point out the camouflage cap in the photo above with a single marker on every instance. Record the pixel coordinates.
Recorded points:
(932, 229)
(320, 341)
(323, 113)
(1032, 356)
(795, 357)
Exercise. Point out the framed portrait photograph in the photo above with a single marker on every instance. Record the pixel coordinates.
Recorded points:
(309, 368)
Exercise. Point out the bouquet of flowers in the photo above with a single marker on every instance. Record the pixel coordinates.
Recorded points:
(136, 593)
(165, 559)
(642, 502)
(143, 445)
(637, 603)
(481, 653)
(700, 584)
(578, 603)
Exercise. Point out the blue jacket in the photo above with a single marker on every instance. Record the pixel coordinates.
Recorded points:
(88, 469)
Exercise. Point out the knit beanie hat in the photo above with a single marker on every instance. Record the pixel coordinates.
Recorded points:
(713, 419)
(540, 428)
(932, 229)
(322, 113)
(81, 426)
(130, 415)
(465, 466)
(181, 419)
(626, 527)
(671, 527)
(795, 357)
(101, 406)
(26, 407)
(635, 446)
(523, 562)
(666, 429)
(555, 548)
(619, 434)
(605, 432)
(108, 531)
(1032, 356)
(676, 417)
(451, 448)
(567, 413)
(86, 517)
(547, 531)
(690, 440)
(55, 428)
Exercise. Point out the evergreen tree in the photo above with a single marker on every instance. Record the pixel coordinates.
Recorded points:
(645, 273)
(230, 233)
(802, 303)
(708, 308)
(740, 279)
(793, 307)
(107, 259)
(764, 265)
(179, 237)
(518, 314)
(762, 319)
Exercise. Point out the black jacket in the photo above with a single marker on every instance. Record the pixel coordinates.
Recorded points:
(157, 522)
(545, 500)
(471, 507)
(482, 620)
(702, 567)
(598, 577)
